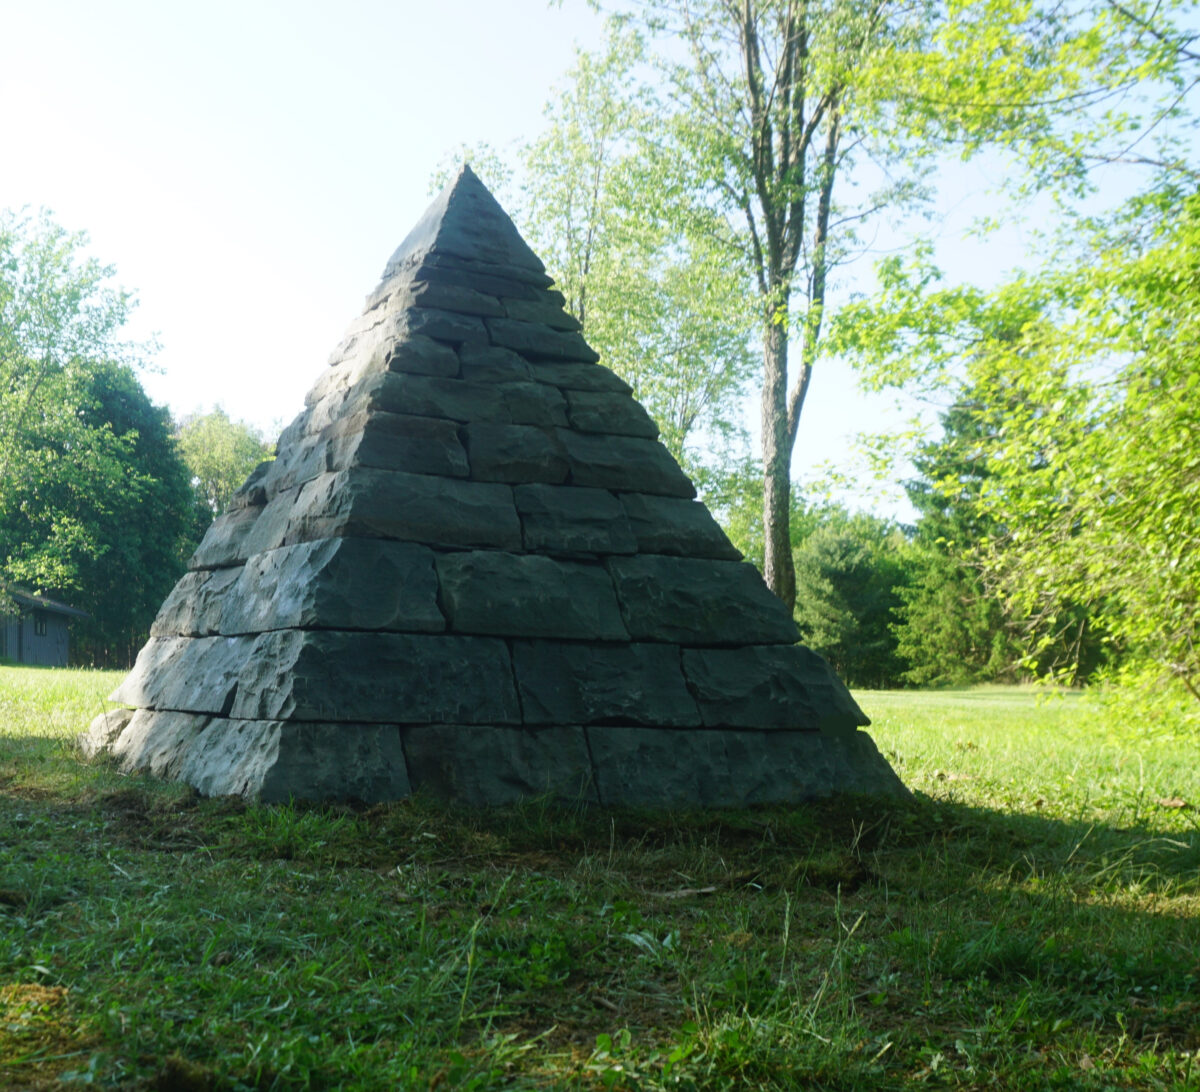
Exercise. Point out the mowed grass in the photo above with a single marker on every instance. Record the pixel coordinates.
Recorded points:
(1031, 919)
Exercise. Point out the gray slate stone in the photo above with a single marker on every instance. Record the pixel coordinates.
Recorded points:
(666, 767)
(570, 683)
(416, 355)
(528, 595)
(769, 686)
(514, 453)
(494, 365)
(625, 464)
(396, 441)
(188, 674)
(158, 743)
(564, 519)
(448, 326)
(671, 525)
(277, 761)
(616, 414)
(193, 609)
(694, 601)
(103, 731)
(379, 678)
(545, 309)
(465, 221)
(223, 542)
(497, 765)
(449, 297)
(538, 341)
(336, 583)
(372, 503)
(580, 377)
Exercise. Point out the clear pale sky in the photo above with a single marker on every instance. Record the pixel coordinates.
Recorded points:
(248, 167)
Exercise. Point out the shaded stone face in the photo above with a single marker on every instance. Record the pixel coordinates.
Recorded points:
(473, 570)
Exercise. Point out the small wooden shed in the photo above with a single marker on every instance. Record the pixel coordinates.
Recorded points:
(33, 628)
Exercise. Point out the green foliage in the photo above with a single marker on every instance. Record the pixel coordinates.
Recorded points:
(94, 502)
(641, 272)
(849, 572)
(219, 454)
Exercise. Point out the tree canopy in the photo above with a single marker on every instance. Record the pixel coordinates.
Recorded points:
(94, 500)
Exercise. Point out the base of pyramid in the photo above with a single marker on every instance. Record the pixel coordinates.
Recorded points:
(276, 761)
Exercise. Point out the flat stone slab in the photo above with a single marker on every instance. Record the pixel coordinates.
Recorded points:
(370, 503)
(695, 601)
(331, 676)
(770, 686)
(528, 595)
(575, 683)
(514, 453)
(276, 762)
(666, 767)
(193, 608)
(627, 464)
(564, 519)
(672, 525)
(498, 765)
(188, 674)
(336, 583)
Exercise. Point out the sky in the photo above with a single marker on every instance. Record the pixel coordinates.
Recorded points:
(249, 167)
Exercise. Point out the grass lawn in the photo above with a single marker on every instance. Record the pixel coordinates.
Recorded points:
(1030, 920)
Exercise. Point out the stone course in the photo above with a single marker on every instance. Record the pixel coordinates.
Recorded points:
(473, 570)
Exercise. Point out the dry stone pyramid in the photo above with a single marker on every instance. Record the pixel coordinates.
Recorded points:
(473, 570)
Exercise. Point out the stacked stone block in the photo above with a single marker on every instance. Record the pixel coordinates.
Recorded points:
(473, 569)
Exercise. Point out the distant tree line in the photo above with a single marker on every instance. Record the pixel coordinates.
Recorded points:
(102, 495)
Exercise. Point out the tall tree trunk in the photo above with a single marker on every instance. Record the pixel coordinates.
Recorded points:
(778, 567)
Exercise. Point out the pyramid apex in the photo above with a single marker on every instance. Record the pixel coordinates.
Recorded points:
(465, 222)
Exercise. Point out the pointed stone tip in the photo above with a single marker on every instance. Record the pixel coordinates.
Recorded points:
(465, 221)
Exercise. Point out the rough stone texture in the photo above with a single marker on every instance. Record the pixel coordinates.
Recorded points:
(336, 583)
(277, 761)
(193, 609)
(527, 595)
(580, 377)
(451, 297)
(602, 411)
(624, 463)
(562, 683)
(408, 507)
(494, 365)
(393, 441)
(102, 733)
(448, 326)
(546, 308)
(698, 602)
(473, 570)
(158, 743)
(727, 769)
(191, 674)
(670, 525)
(498, 765)
(539, 342)
(769, 686)
(377, 678)
(514, 453)
(572, 520)
(222, 542)
(422, 356)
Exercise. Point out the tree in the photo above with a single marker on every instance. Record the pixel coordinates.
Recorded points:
(94, 502)
(220, 454)
(792, 122)
(849, 570)
(655, 296)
